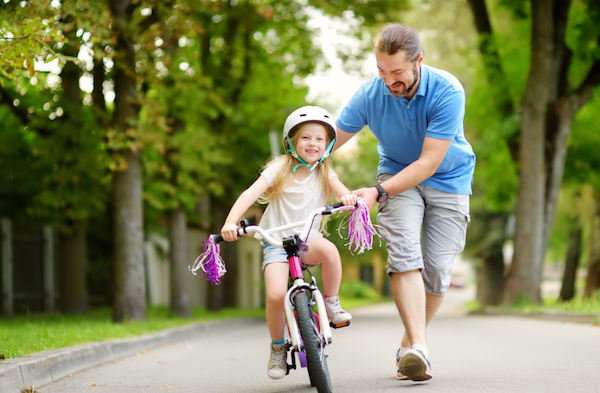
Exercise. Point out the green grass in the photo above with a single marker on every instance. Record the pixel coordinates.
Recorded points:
(576, 305)
(23, 335)
(349, 303)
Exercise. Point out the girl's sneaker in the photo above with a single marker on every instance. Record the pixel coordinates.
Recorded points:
(277, 367)
(337, 316)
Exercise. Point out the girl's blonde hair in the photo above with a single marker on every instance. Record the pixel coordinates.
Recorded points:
(285, 175)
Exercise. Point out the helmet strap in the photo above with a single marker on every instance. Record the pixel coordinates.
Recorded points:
(295, 154)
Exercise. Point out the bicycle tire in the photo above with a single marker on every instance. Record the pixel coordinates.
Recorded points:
(317, 365)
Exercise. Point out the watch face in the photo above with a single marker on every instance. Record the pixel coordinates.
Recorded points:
(382, 198)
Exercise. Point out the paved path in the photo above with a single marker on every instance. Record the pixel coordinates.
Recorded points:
(468, 354)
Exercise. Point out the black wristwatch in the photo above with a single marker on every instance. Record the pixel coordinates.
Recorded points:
(382, 195)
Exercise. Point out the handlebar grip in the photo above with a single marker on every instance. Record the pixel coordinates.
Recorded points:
(218, 238)
(336, 205)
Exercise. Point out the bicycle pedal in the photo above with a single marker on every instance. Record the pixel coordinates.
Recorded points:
(289, 367)
(340, 325)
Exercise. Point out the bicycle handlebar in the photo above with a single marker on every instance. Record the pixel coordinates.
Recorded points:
(266, 233)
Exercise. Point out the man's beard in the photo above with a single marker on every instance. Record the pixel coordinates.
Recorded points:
(406, 90)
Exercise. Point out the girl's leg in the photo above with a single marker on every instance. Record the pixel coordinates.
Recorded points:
(276, 279)
(321, 250)
(325, 252)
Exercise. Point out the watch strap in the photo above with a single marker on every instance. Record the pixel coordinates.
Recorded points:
(380, 191)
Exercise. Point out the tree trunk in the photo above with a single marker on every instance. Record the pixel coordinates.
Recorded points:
(490, 278)
(592, 283)
(180, 298)
(223, 295)
(73, 261)
(230, 281)
(567, 291)
(487, 236)
(73, 239)
(129, 269)
(525, 275)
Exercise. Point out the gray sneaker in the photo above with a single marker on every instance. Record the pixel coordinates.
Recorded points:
(414, 365)
(277, 367)
(335, 313)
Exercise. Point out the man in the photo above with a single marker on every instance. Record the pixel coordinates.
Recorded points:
(425, 175)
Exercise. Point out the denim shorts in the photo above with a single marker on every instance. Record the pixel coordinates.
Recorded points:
(276, 254)
(424, 229)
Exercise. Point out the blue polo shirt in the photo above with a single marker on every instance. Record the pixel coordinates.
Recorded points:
(436, 110)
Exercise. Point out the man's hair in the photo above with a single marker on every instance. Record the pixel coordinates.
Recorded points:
(395, 37)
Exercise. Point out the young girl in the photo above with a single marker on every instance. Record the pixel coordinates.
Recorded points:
(293, 185)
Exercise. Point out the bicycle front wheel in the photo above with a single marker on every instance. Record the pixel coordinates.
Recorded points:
(314, 347)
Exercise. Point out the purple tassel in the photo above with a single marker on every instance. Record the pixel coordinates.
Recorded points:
(360, 229)
(210, 262)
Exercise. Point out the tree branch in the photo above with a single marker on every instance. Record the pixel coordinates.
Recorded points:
(493, 68)
(585, 91)
(491, 58)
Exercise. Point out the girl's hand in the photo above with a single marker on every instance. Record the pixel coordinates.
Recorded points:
(348, 199)
(229, 232)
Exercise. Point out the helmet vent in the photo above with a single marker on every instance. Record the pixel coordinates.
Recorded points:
(304, 114)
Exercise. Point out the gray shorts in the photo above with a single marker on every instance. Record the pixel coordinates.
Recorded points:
(425, 229)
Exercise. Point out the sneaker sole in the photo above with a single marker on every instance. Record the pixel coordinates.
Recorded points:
(401, 377)
(275, 376)
(414, 367)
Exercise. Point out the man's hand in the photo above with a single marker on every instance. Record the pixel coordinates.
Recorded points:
(369, 194)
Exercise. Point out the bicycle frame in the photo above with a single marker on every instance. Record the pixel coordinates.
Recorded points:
(315, 295)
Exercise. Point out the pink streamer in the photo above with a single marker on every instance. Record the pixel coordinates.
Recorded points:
(360, 229)
(210, 262)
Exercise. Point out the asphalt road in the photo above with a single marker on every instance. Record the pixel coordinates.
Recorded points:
(468, 354)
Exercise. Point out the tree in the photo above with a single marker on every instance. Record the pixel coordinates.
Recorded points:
(551, 99)
(130, 279)
(582, 170)
(548, 110)
(62, 139)
(495, 125)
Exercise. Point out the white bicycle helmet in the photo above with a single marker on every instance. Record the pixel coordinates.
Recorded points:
(303, 115)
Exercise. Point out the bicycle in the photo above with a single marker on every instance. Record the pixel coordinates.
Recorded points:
(309, 331)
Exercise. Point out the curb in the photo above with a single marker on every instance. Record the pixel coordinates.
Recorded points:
(548, 315)
(43, 368)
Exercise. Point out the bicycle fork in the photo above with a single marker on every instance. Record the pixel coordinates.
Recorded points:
(312, 291)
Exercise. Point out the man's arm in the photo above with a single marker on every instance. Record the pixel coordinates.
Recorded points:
(432, 155)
